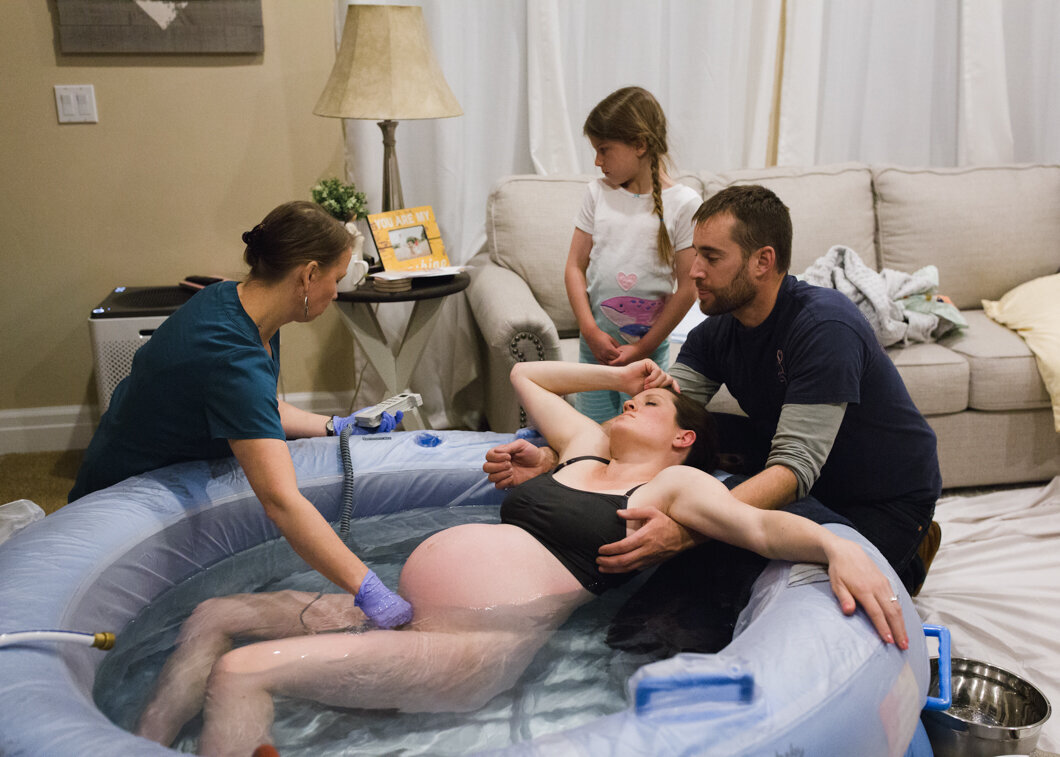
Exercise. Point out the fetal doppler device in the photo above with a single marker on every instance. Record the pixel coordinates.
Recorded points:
(372, 416)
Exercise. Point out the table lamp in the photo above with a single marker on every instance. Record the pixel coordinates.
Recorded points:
(385, 70)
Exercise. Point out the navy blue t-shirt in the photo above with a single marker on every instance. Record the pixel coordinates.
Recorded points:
(203, 378)
(817, 348)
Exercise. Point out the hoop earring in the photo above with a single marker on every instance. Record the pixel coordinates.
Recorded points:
(307, 307)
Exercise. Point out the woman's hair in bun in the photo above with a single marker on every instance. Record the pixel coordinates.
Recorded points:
(291, 235)
(250, 236)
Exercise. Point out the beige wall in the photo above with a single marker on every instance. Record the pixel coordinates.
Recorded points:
(189, 152)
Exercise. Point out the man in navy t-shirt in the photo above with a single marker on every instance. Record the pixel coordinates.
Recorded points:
(825, 405)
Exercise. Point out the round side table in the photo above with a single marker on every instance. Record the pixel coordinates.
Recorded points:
(396, 362)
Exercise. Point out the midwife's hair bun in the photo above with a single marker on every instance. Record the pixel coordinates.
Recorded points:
(252, 236)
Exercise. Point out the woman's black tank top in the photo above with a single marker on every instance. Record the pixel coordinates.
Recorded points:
(570, 523)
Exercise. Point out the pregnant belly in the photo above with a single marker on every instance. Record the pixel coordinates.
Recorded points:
(492, 575)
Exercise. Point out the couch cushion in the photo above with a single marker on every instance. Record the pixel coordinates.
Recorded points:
(987, 229)
(937, 378)
(1004, 373)
(529, 224)
(829, 205)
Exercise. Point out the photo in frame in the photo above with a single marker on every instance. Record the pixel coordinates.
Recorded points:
(408, 239)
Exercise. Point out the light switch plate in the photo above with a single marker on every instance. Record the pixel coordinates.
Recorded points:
(76, 103)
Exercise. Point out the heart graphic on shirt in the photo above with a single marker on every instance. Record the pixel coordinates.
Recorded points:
(626, 280)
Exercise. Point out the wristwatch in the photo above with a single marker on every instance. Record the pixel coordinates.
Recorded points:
(329, 427)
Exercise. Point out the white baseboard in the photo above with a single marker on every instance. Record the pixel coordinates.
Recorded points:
(46, 429)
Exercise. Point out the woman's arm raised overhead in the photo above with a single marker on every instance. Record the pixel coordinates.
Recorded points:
(540, 386)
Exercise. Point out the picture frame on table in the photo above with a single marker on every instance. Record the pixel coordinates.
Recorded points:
(408, 239)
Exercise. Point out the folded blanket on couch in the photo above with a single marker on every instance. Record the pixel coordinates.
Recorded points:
(902, 307)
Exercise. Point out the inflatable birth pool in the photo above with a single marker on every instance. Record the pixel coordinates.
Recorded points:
(799, 678)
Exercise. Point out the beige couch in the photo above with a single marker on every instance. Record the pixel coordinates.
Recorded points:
(986, 229)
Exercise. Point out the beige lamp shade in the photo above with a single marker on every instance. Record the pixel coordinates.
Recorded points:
(385, 69)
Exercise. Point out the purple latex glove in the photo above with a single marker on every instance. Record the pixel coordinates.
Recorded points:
(386, 424)
(382, 606)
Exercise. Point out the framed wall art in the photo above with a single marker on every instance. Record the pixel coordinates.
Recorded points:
(153, 26)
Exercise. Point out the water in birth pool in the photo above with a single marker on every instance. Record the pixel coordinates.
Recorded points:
(574, 679)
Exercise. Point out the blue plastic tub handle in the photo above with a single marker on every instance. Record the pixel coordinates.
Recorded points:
(945, 697)
(716, 687)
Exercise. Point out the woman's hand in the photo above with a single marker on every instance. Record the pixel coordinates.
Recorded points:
(515, 462)
(645, 374)
(856, 580)
(384, 607)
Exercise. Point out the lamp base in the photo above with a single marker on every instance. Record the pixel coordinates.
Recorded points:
(392, 197)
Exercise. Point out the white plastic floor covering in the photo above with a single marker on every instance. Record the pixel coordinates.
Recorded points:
(995, 583)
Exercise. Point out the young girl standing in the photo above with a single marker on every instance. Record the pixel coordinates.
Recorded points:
(627, 273)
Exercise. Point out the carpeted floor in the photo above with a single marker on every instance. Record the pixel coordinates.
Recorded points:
(41, 477)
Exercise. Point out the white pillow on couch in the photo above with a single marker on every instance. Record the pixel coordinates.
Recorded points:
(1033, 311)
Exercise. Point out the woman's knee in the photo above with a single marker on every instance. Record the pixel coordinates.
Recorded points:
(243, 662)
(209, 616)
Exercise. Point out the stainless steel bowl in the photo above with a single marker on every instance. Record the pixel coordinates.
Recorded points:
(993, 712)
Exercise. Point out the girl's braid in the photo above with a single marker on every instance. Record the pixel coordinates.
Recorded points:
(665, 246)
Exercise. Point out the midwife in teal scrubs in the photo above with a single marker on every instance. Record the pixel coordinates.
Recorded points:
(204, 386)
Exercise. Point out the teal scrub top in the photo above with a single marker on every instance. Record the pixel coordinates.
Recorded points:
(203, 377)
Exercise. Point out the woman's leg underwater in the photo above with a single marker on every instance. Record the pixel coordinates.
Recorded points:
(415, 671)
(208, 633)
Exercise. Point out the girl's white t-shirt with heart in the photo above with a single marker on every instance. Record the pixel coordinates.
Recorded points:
(627, 283)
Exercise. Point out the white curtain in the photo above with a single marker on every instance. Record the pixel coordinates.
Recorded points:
(949, 82)
(1032, 57)
(552, 145)
(800, 83)
(691, 54)
(984, 128)
(888, 83)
